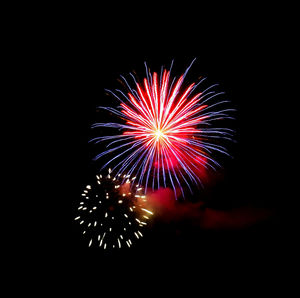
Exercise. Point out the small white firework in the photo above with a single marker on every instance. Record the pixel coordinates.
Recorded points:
(112, 212)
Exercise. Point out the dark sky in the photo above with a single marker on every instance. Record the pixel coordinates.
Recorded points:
(244, 210)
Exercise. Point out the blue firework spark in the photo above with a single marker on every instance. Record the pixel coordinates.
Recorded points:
(168, 131)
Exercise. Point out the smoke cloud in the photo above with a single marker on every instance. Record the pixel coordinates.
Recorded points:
(168, 210)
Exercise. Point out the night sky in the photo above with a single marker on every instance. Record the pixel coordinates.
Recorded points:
(239, 220)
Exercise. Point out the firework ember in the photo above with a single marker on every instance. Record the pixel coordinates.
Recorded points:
(168, 130)
(112, 213)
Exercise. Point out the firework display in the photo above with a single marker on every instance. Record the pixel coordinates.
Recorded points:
(113, 213)
(168, 130)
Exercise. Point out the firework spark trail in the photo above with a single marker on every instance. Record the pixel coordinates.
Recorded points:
(112, 212)
(168, 130)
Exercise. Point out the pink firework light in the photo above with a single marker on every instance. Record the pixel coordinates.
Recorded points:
(168, 137)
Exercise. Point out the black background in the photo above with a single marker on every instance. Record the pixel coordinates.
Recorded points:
(241, 52)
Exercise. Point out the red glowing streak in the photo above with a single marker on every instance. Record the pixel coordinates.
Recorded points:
(169, 133)
(165, 123)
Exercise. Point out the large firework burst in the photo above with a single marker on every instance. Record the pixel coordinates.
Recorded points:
(112, 213)
(168, 130)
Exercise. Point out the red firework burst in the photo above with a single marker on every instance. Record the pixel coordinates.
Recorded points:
(168, 130)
